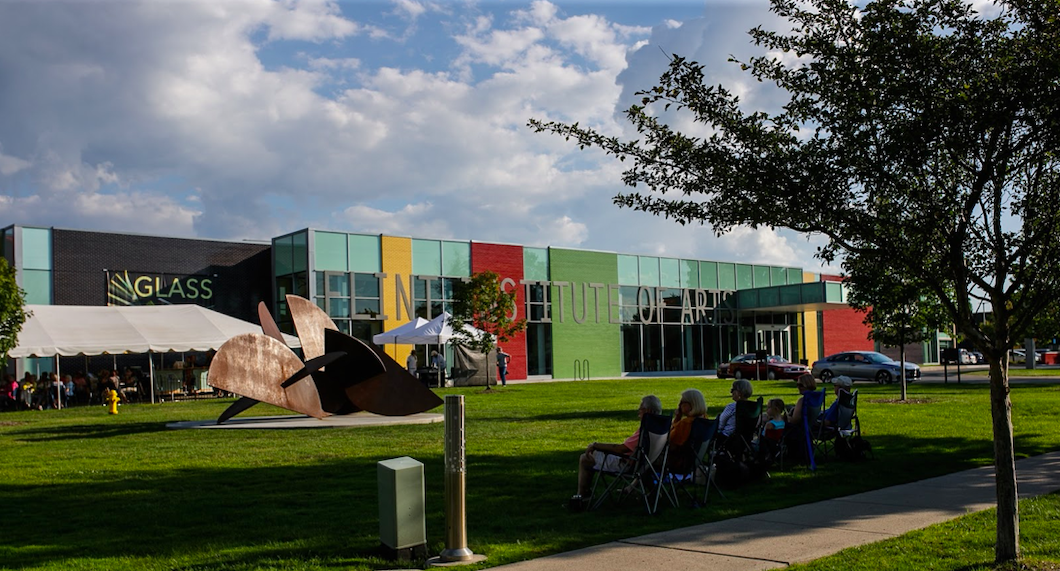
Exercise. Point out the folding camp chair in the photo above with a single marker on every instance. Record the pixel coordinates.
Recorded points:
(800, 436)
(643, 474)
(748, 419)
(824, 437)
(698, 468)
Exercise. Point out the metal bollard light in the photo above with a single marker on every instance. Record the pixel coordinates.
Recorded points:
(456, 549)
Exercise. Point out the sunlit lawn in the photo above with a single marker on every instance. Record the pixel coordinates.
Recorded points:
(82, 490)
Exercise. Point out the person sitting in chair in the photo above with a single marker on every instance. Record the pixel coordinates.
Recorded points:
(794, 433)
(609, 457)
(691, 407)
(741, 390)
(842, 385)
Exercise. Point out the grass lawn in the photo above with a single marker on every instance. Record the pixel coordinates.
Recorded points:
(963, 544)
(82, 490)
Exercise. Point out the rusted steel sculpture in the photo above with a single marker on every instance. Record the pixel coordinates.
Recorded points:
(341, 374)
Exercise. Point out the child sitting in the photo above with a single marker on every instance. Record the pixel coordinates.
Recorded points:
(773, 428)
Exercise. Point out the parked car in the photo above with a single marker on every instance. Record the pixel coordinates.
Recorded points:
(863, 365)
(965, 356)
(774, 367)
(979, 358)
(1020, 356)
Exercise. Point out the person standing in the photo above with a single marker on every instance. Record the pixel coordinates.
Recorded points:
(438, 362)
(410, 363)
(502, 366)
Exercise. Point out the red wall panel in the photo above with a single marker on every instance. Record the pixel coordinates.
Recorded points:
(843, 329)
(507, 261)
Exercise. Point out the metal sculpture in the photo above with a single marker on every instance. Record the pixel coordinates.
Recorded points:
(341, 374)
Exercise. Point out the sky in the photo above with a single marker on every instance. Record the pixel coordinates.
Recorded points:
(248, 119)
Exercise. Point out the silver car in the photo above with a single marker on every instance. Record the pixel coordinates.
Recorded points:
(863, 365)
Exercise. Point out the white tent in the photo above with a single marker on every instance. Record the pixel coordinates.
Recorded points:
(69, 330)
(435, 332)
(394, 334)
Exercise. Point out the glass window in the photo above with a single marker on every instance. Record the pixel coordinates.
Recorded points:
(338, 307)
(9, 246)
(284, 286)
(708, 275)
(364, 253)
(330, 248)
(456, 259)
(669, 273)
(282, 255)
(299, 252)
(36, 249)
(366, 285)
(338, 285)
(778, 276)
(794, 276)
(628, 270)
(689, 274)
(38, 286)
(535, 264)
(649, 270)
(761, 276)
(300, 287)
(427, 257)
(368, 307)
(726, 276)
(744, 276)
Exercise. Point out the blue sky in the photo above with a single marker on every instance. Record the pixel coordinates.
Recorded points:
(246, 119)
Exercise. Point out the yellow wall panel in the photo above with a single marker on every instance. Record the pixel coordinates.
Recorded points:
(810, 326)
(397, 263)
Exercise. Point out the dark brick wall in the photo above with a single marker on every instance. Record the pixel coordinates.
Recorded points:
(507, 261)
(240, 271)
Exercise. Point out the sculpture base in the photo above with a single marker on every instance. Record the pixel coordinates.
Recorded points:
(438, 562)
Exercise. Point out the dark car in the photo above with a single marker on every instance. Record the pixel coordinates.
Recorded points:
(772, 368)
(863, 365)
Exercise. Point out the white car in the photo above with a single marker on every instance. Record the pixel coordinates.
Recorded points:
(1020, 356)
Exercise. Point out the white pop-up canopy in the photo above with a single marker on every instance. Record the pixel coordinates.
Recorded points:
(435, 332)
(68, 330)
(394, 334)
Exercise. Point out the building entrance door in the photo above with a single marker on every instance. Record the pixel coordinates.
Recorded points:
(775, 340)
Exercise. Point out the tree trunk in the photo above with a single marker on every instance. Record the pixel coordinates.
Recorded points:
(1008, 519)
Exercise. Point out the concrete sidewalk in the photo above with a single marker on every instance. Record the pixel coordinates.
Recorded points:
(802, 533)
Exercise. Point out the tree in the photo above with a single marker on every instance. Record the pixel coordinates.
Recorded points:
(897, 308)
(12, 314)
(917, 134)
(482, 303)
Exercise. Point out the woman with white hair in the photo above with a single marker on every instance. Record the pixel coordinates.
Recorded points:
(741, 390)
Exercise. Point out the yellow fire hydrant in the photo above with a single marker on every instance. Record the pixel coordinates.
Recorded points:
(112, 400)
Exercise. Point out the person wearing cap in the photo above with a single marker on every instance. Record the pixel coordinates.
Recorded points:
(842, 384)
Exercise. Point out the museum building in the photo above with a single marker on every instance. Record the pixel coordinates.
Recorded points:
(589, 313)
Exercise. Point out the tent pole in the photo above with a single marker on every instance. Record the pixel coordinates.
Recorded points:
(59, 387)
(151, 375)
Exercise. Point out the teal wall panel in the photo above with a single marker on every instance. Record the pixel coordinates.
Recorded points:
(330, 252)
(689, 274)
(595, 339)
(535, 264)
(365, 253)
(708, 275)
(744, 276)
(38, 286)
(426, 257)
(726, 276)
(669, 272)
(36, 248)
(761, 276)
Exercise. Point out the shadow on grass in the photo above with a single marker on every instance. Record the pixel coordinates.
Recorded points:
(84, 431)
(324, 515)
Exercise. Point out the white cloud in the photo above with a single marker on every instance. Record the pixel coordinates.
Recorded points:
(351, 138)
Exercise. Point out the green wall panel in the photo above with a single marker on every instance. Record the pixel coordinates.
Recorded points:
(281, 255)
(778, 276)
(596, 339)
(426, 257)
(456, 259)
(744, 276)
(794, 276)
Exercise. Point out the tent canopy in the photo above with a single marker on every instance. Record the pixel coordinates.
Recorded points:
(69, 330)
(435, 332)
(394, 334)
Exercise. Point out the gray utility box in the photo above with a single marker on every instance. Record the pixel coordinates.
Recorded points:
(402, 521)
